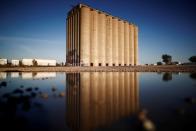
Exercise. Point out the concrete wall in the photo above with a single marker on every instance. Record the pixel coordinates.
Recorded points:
(96, 38)
(27, 62)
(15, 62)
(3, 61)
(40, 62)
(43, 62)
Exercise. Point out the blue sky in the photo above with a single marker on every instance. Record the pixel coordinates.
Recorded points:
(36, 28)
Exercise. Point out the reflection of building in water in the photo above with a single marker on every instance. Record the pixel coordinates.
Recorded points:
(38, 75)
(45, 75)
(14, 74)
(3, 75)
(27, 75)
(99, 99)
(167, 76)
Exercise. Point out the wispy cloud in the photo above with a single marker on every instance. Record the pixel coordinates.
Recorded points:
(21, 47)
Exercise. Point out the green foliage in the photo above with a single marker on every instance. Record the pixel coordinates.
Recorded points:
(167, 59)
(192, 59)
(159, 63)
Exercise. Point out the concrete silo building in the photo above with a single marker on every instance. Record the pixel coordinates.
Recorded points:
(96, 38)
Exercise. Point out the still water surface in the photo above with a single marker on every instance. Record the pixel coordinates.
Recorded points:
(97, 100)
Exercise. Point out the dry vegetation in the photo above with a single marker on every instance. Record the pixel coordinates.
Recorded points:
(169, 68)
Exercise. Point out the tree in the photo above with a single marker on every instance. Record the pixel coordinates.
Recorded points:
(167, 59)
(62, 64)
(193, 76)
(167, 76)
(34, 62)
(159, 63)
(192, 59)
(20, 63)
(58, 64)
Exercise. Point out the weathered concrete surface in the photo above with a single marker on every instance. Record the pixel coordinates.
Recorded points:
(126, 46)
(103, 40)
(104, 69)
(135, 45)
(94, 38)
(131, 41)
(109, 40)
(85, 36)
(115, 41)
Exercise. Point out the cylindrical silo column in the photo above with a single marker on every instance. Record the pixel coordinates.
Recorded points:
(75, 40)
(109, 40)
(136, 45)
(121, 43)
(72, 38)
(78, 37)
(131, 44)
(69, 40)
(115, 41)
(76, 34)
(126, 47)
(73, 49)
(85, 36)
(94, 40)
(69, 50)
(67, 47)
(101, 38)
